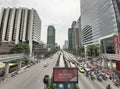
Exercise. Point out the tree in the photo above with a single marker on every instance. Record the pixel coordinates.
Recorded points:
(92, 50)
(20, 48)
(81, 51)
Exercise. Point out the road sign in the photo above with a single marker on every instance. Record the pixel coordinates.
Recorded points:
(118, 65)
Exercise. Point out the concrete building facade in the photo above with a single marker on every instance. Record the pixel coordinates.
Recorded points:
(20, 25)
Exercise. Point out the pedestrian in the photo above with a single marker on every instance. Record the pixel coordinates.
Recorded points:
(110, 77)
(46, 81)
(108, 86)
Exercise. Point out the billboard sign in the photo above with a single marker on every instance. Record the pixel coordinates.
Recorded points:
(115, 39)
(65, 75)
(118, 65)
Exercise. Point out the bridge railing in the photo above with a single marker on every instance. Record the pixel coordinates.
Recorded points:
(10, 57)
(111, 56)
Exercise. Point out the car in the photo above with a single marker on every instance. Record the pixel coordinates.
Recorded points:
(45, 64)
(91, 68)
(86, 69)
(107, 72)
(81, 69)
(81, 65)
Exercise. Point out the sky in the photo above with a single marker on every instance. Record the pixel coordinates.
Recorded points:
(59, 13)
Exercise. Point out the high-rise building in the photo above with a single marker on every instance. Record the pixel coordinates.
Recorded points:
(19, 25)
(65, 46)
(51, 37)
(75, 34)
(100, 23)
(80, 32)
(70, 40)
(74, 40)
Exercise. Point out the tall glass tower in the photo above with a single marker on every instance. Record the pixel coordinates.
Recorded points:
(70, 40)
(51, 37)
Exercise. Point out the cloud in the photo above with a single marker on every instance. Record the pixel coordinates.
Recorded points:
(59, 13)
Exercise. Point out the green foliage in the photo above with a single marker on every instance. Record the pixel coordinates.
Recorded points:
(47, 54)
(81, 51)
(20, 48)
(92, 50)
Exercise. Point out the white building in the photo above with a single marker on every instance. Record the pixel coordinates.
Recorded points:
(65, 46)
(20, 25)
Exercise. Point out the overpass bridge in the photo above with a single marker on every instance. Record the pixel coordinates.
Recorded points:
(108, 58)
(9, 58)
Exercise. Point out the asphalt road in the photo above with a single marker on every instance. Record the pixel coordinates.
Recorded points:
(86, 83)
(32, 78)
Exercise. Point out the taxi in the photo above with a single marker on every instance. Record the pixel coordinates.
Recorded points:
(81, 69)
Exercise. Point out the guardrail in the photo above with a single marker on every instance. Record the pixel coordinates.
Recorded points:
(11, 57)
(111, 56)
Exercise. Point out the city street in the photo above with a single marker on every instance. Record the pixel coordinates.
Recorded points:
(59, 44)
(33, 77)
(86, 83)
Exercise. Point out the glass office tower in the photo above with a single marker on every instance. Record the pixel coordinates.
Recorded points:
(51, 37)
(70, 40)
(99, 20)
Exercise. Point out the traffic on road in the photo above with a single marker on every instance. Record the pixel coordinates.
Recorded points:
(94, 76)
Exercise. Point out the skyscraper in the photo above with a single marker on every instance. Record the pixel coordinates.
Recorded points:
(75, 34)
(65, 46)
(20, 25)
(51, 37)
(70, 40)
(74, 40)
(100, 21)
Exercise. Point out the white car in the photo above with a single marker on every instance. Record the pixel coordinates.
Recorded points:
(45, 64)
(86, 69)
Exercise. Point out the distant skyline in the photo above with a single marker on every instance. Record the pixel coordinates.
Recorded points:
(59, 13)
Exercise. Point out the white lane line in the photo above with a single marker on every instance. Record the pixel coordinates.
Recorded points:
(90, 85)
(100, 84)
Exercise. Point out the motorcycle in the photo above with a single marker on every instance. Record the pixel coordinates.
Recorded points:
(104, 77)
(117, 83)
(99, 78)
(92, 77)
(108, 86)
